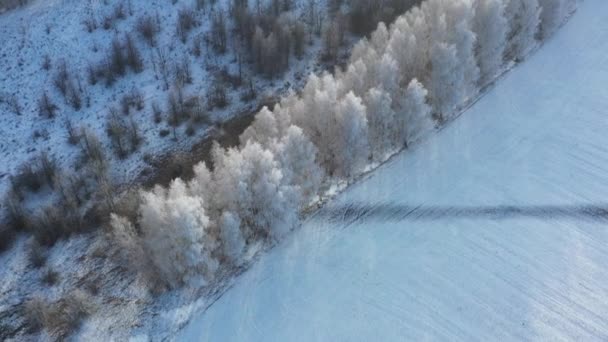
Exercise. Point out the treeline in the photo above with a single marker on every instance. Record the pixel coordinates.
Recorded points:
(400, 83)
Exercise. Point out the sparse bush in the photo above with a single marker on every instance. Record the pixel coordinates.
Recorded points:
(186, 21)
(134, 135)
(59, 318)
(217, 95)
(73, 136)
(108, 22)
(12, 102)
(219, 33)
(72, 189)
(117, 59)
(46, 62)
(37, 253)
(119, 11)
(28, 178)
(157, 113)
(7, 236)
(92, 150)
(55, 222)
(197, 46)
(175, 106)
(92, 74)
(125, 138)
(62, 78)
(163, 133)
(50, 277)
(148, 28)
(65, 84)
(90, 23)
(133, 57)
(190, 129)
(161, 65)
(17, 218)
(48, 168)
(120, 56)
(299, 39)
(46, 107)
(183, 73)
(34, 174)
(116, 131)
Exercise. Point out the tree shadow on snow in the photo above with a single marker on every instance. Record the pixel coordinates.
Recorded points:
(383, 212)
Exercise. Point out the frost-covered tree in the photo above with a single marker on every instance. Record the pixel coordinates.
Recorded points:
(263, 130)
(491, 27)
(201, 184)
(552, 15)
(405, 48)
(381, 123)
(453, 68)
(131, 248)
(298, 159)
(231, 237)
(350, 144)
(524, 19)
(356, 78)
(249, 183)
(414, 117)
(379, 38)
(175, 235)
(445, 84)
(450, 23)
(315, 113)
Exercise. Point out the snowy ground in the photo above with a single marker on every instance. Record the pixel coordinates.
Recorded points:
(498, 243)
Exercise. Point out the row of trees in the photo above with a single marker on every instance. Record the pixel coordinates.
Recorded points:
(398, 85)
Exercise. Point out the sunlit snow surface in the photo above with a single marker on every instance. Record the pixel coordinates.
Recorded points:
(538, 140)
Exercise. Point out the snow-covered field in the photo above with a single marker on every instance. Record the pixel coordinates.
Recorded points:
(532, 153)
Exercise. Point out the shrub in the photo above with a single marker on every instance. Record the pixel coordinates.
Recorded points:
(186, 21)
(16, 216)
(54, 223)
(7, 236)
(92, 151)
(119, 11)
(50, 277)
(46, 62)
(217, 95)
(131, 252)
(46, 107)
(90, 23)
(133, 57)
(37, 254)
(12, 102)
(116, 132)
(73, 136)
(61, 317)
(163, 133)
(157, 113)
(64, 82)
(148, 28)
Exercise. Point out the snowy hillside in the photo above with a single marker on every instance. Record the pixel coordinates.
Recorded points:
(38, 39)
(488, 237)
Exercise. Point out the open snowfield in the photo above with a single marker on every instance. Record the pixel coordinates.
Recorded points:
(489, 230)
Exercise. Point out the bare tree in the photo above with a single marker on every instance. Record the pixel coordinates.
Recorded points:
(46, 107)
